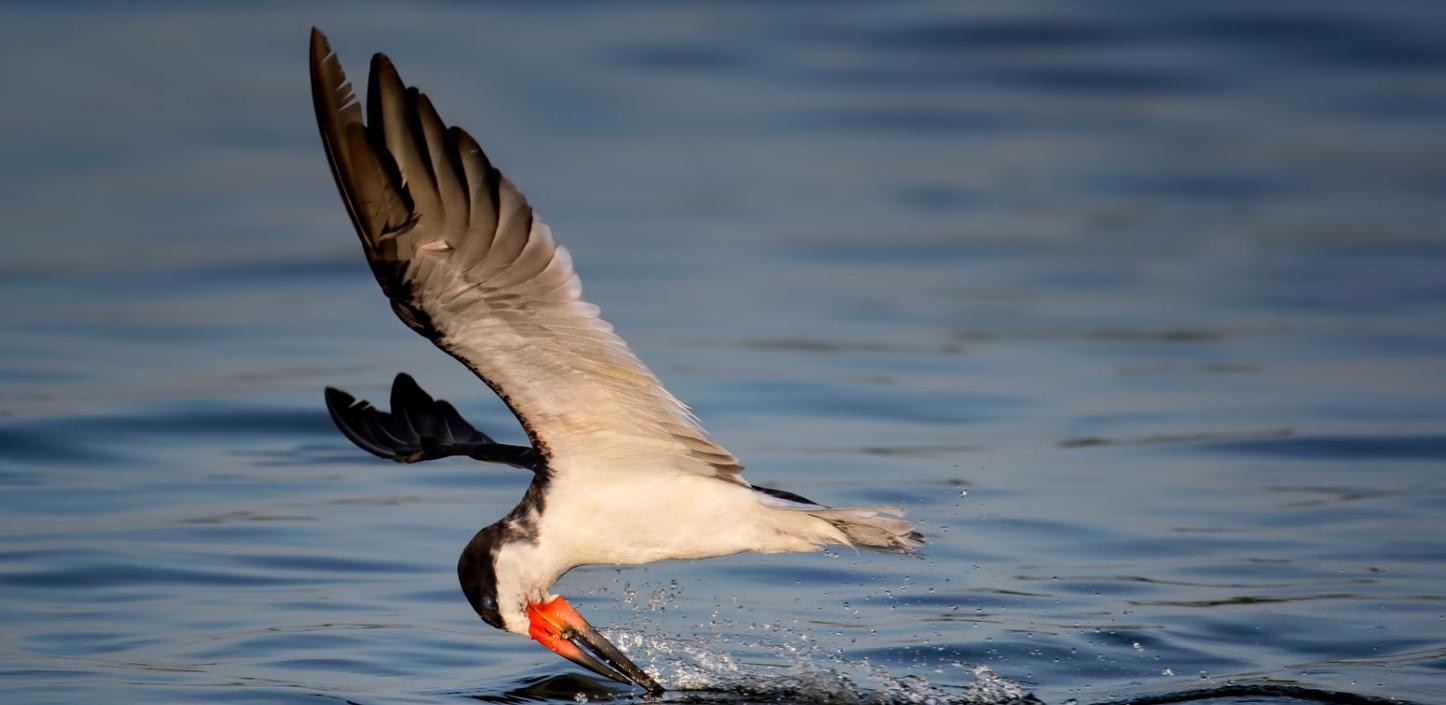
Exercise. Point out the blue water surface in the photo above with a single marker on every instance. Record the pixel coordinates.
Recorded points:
(1138, 308)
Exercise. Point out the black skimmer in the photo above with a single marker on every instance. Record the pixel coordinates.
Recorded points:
(466, 263)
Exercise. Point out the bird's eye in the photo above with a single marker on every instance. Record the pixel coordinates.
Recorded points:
(489, 602)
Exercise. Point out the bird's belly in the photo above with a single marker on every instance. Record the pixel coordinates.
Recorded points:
(644, 517)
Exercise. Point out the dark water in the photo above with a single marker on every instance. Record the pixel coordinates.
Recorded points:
(1140, 308)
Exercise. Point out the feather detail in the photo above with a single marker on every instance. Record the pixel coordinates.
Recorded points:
(466, 263)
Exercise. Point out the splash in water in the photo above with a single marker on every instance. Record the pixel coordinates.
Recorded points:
(794, 668)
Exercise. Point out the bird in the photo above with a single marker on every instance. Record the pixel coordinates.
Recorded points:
(622, 471)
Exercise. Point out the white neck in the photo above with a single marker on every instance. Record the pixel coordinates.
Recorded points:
(524, 573)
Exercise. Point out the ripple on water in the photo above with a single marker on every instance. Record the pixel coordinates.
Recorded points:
(33, 446)
(108, 573)
(1424, 447)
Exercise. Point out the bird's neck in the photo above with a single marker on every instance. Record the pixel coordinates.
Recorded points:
(525, 571)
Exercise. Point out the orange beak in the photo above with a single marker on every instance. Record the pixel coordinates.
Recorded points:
(563, 631)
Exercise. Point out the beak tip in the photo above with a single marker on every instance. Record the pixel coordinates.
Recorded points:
(563, 631)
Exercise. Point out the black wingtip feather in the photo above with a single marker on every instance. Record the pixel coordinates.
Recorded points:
(417, 428)
(350, 417)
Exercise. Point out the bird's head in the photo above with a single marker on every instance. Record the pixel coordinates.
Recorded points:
(501, 578)
(477, 571)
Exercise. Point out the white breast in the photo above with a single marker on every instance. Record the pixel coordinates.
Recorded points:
(630, 517)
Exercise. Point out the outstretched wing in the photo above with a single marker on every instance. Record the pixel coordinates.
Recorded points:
(465, 262)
